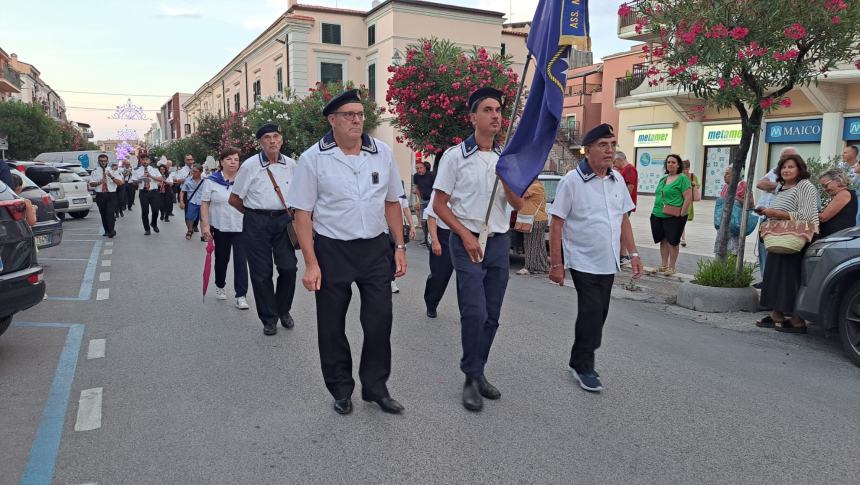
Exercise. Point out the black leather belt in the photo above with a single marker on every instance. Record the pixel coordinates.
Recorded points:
(265, 212)
(489, 234)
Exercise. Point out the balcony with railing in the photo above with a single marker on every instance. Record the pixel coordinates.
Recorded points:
(580, 94)
(569, 134)
(624, 85)
(627, 24)
(10, 80)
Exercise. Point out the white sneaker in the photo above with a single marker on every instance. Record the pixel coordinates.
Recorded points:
(220, 293)
(242, 303)
(394, 288)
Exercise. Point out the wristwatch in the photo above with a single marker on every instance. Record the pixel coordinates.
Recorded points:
(400, 246)
(633, 255)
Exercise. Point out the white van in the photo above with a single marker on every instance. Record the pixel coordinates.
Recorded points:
(87, 158)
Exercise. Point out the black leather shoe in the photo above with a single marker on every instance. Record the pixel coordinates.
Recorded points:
(431, 312)
(154, 228)
(487, 390)
(112, 234)
(287, 321)
(472, 395)
(388, 405)
(343, 406)
(270, 329)
(146, 233)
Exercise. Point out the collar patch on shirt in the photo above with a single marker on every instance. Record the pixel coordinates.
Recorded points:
(587, 174)
(470, 146)
(367, 143)
(264, 161)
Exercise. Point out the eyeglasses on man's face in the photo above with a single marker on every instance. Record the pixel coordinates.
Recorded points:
(350, 115)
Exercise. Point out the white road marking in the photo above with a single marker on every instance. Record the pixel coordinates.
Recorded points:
(90, 410)
(106, 263)
(108, 252)
(110, 243)
(104, 276)
(96, 349)
(103, 294)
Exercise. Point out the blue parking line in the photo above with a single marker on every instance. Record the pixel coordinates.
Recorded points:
(89, 275)
(46, 445)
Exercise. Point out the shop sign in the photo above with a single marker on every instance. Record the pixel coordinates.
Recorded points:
(722, 135)
(793, 131)
(653, 138)
(852, 129)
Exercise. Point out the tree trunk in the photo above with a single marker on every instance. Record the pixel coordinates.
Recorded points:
(747, 196)
(737, 165)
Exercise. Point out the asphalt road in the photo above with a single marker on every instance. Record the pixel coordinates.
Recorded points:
(192, 392)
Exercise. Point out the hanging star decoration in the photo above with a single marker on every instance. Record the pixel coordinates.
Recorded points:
(126, 134)
(128, 111)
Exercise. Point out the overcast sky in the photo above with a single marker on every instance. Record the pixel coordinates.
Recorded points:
(135, 48)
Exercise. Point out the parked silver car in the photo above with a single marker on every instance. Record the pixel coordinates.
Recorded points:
(830, 287)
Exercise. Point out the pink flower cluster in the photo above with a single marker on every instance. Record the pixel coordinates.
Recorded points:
(752, 51)
(835, 5)
(786, 56)
(796, 31)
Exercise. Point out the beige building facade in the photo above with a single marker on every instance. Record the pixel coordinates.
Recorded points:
(311, 44)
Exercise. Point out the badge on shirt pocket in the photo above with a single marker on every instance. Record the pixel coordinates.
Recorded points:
(374, 177)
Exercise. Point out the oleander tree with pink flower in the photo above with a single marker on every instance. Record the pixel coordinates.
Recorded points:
(428, 93)
(746, 55)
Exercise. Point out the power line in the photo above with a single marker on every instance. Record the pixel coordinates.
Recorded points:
(105, 109)
(115, 94)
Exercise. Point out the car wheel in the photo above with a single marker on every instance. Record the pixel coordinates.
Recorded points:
(849, 323)
(79, 214)
(61, 216)
(4, 323)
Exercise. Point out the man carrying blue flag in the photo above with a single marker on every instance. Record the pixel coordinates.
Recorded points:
(590, 221)
(465, 179)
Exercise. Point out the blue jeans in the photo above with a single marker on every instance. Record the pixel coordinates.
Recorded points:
(480, 291)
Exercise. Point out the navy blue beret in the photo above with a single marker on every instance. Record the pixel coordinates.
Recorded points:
(346, 97)
(267, 128)
(598, 132)
(484, 93)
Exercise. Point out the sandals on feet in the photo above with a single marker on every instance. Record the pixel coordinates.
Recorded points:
(188, 236)
(766, 322)
(788, 327)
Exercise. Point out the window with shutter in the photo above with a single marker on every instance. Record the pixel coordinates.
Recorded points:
(331, 72)
(237, 103)
(330, 34)
(371, 81)
(371, 35)
(279, 76)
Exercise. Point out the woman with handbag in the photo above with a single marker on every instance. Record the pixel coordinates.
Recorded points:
(532, 222)
(672, 200)
(189, 199)
(792, 221)
(734, 239)
(222, 223)
(697, 196)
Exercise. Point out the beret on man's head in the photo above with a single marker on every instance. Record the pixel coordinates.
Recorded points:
(598, 132)
(267, 128)
(483, 93)
(346, 97)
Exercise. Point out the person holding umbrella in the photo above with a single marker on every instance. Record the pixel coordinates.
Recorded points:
(222, 223)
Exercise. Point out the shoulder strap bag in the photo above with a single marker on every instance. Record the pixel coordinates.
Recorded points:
(291, 230)
(525, 223)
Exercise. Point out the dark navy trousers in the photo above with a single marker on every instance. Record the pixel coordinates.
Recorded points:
(265, 241)
(441, 268)
(480, 292)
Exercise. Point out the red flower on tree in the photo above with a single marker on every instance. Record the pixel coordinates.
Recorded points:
(796, 31)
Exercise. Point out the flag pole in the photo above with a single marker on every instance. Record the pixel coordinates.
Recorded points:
(485, 229)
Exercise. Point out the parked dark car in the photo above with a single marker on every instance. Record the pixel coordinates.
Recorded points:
(48, 230)
(830, 287)
(21, 283)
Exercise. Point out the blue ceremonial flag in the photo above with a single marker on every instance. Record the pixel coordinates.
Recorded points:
(557, 25)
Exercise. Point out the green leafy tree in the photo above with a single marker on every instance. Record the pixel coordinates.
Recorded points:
(29, 131)
(746, 55)
(428, 94)
(209, 130)
(71, 139)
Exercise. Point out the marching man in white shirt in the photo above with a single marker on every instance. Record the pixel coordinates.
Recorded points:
(148, 178)
(258, 193)
(105, 181)
(349, 181)
(589, 218)
(465, 179)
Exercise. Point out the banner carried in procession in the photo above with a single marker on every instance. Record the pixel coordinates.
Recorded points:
(557, 26)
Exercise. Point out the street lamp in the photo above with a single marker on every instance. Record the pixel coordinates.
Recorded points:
(395, 59)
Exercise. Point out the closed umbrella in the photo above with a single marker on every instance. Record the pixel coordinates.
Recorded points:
(207, 267)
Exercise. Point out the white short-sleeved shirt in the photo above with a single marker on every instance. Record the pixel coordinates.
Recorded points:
(428, 212)
(767, 197)
(143, 175)
(347, 193)
(593, 208)
(98, 175)
(467, 175)
(254, 186)
(183, 173)
(222, 215)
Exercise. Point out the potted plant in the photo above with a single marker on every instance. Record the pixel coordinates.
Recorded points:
(717, 288)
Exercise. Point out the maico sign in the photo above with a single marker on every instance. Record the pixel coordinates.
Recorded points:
(793, 131)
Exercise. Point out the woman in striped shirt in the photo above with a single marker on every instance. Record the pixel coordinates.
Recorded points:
(796, 199)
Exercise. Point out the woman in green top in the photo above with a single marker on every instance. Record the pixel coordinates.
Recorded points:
(672, 201)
